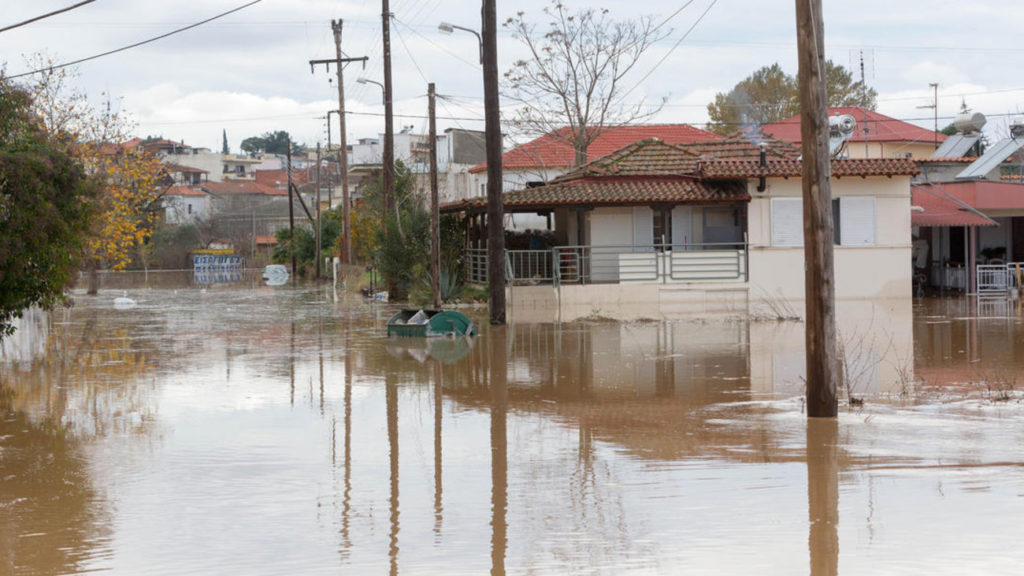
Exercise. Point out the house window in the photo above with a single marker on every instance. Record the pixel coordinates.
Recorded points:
(853, 221)
(483, 189)
(189, 208)
(662, 228)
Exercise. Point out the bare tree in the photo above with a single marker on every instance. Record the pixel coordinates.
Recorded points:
(572, 84)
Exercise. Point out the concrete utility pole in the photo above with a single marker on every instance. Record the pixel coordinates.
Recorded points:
(339, 62)
(318, 211)
(492, 122)
(346, 251)
(388, 184)
(291, 210)
(819, 278)
(435, 214)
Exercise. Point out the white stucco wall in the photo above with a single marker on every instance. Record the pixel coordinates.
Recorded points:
(879, 271)
(177, 209)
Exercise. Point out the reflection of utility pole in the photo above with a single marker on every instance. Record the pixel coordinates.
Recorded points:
(499, 448)
(819, 275)
(438, 483)
(339, 61)
(391, 400)
(823, 496)
(435, 216)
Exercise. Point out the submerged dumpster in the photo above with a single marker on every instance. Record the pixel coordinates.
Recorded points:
(430, 322)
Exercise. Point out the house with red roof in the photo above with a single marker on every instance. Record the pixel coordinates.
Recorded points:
(552, 155)
(876, 135)
(713, 226)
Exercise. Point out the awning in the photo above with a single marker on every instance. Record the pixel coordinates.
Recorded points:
(932, 208)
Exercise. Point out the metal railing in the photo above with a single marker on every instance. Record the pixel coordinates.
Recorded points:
(618, 264)
(997, 280)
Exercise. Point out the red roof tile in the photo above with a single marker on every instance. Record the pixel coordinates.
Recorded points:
(241, 187)
(554, 151)
(881, 128)
(279, 178)
(613, 191)
(183, 191)
(932, 208)
(842, 167)
(983, 195)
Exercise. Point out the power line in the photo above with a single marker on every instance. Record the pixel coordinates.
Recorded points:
(672, 49)
(137, 44)
(37, 18)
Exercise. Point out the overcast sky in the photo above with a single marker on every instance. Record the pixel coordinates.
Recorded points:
(248, 73)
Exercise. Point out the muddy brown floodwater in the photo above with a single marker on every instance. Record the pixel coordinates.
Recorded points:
(246, 429)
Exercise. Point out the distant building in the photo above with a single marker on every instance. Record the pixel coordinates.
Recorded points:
(876, 135)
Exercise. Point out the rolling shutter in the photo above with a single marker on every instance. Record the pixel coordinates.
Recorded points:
(787, 222)
(857, 221)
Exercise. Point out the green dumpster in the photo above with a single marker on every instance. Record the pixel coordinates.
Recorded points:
(428, 322)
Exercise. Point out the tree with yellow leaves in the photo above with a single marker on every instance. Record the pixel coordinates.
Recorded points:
(129, 200)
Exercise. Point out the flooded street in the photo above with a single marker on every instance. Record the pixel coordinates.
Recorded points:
(246, 429)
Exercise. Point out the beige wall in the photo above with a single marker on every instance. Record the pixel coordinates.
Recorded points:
(879, 271)
(890, 149)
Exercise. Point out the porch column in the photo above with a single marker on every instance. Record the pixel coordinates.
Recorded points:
(972, 257)
(581, 223)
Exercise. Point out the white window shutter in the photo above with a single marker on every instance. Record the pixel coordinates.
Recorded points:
(857, 221)
(681, 234)
(787, 222)
(643, 228)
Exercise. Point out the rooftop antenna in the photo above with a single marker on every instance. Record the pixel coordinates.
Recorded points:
(864, 103)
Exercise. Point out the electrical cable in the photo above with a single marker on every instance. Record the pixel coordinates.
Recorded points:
(135, 45)
(38, 18)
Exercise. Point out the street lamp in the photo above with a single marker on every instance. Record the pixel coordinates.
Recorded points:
(362, 80)
(448, 28)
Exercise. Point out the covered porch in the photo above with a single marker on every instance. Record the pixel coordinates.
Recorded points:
(968, 236)
(686, 234)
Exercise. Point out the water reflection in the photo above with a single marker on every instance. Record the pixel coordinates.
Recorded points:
(272, 432)
(823, 495)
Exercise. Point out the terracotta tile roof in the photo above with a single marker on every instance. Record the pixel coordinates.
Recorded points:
(932, 208)
(279, 178)
(961, 160)
(241, 187)
(984, 195)
(183, 191)
(881, 128)
(844, 167)
(652, 157)
(744, 145)
(612, 191)
(553, 151)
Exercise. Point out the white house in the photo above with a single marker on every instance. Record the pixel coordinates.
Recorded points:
(714, 226)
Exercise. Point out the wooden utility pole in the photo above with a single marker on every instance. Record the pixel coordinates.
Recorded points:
(435, 214)
(317, 235)
(819, 277)
(340, 61)
(291, 210)
(388, 184)
(495, 209)
(346, 248)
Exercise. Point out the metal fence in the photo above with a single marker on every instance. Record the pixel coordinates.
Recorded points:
(618, 264)
(998, 280)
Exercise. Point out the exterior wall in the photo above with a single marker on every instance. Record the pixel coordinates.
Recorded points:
(890, 149)
(181, 209)
(879, 271)
(204, 160)
(513, 179)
